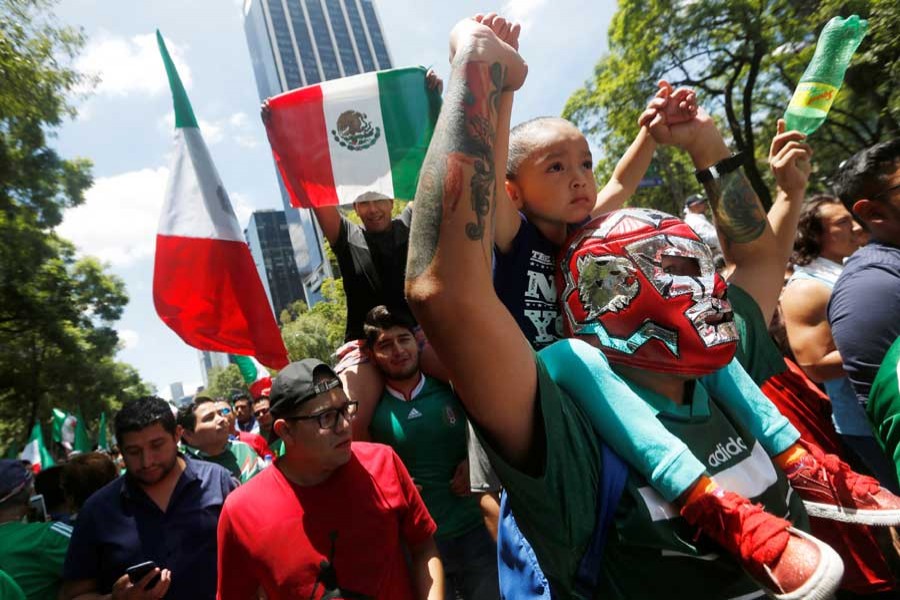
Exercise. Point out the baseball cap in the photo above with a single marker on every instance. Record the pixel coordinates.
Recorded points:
(371, 197)
(694, 199)
(295, 384)
(14, 477)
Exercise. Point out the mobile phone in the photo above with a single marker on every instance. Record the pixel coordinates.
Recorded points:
(37, 509)
(139, 571)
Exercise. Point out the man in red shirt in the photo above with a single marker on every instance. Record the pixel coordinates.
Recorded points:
(333, 518)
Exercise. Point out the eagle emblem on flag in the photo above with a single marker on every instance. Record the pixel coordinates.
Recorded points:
(354, 131)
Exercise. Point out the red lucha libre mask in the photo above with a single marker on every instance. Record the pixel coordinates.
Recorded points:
(645, 285)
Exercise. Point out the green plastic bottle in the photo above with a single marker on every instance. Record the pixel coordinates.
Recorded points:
(825, 73)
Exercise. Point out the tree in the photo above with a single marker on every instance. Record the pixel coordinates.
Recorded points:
(224, 381)
(318, 331)
(57, 344)
(744, 58)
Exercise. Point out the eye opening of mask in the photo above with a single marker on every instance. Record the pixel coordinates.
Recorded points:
(678, 264)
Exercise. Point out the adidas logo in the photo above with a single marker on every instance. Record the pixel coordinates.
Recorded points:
(725, 452)
(413, 414)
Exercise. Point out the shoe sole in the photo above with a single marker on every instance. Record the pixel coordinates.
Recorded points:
(859, 516)
(824, 581)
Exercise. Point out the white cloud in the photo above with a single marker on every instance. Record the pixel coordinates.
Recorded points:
(524, 12)
(118, 221)
(234, 127)
(131, 65)
(128, 338)
(243, 207)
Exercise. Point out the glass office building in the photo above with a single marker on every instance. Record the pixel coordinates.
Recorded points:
(294, 43)
(273, 254)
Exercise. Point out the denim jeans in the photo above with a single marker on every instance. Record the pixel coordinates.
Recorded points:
(470, 566)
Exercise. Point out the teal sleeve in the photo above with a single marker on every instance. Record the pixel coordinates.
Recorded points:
(736, 392)
(621, 417)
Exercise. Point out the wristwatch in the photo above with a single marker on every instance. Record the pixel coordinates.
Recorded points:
(726, 165)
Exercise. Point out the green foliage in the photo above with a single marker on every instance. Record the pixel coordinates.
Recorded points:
(319, 331)
(744, 58)
(57, 344)
(224, 381)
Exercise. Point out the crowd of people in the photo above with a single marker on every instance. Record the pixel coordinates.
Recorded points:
(541, 394)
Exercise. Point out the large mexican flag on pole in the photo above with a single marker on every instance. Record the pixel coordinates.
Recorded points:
(337, 140)
(205, 285)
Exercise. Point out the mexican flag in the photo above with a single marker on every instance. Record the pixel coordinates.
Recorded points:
(257, 378)
(337, 140)
(102, 434)
(205, 285)
(63, 431)
(35, 450)
(82, 442)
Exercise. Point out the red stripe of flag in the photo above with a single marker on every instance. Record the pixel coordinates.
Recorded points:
(208, 292)
(298, 135)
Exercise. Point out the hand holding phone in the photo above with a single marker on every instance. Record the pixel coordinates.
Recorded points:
(144, 581)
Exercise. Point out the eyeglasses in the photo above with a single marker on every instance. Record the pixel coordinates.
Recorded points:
(328, 419)
(885, 192)
(261, 412)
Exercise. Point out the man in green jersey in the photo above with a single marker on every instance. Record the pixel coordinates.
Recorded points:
(541, 442)
(206, 436)
(423, 421)
(31, 553)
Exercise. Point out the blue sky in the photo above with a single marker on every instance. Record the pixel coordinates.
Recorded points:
(125, 126)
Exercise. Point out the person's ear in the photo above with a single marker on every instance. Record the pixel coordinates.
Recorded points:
(181, 432)
(281, 429)
(868, 211)
(515, 194)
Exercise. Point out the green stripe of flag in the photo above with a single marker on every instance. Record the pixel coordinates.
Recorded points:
(184, 114)
(409, 118)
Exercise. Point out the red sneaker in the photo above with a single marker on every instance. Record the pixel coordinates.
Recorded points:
(832, 490)
(786, 562)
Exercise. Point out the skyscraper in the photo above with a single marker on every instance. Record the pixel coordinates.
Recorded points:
(270, 245)
(294, 43)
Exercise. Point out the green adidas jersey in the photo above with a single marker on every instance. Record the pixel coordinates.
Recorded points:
(239, 458)
(650, 529)
(756, 351)
(883, 407)
(556, 510)
(33, 555)
(9, 589)
(428, 433)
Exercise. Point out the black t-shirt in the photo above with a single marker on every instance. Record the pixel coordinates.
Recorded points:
(373, 266)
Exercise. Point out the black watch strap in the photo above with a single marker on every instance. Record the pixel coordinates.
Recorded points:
(726, 165)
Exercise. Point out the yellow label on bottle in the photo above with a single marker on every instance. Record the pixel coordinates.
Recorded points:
(811, 94)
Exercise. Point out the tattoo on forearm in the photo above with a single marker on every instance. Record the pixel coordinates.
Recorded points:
(462, 148)
(737, 210)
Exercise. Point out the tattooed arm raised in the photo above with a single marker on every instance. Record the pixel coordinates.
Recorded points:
(449, 286)
(745, 235)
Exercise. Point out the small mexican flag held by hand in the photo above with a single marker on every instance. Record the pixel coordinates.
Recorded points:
(342, 138)
(35, 450)
(205, 285)
(257, 378)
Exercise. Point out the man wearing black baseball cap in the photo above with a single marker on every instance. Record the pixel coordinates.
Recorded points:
(31, 553)
(307, 527)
